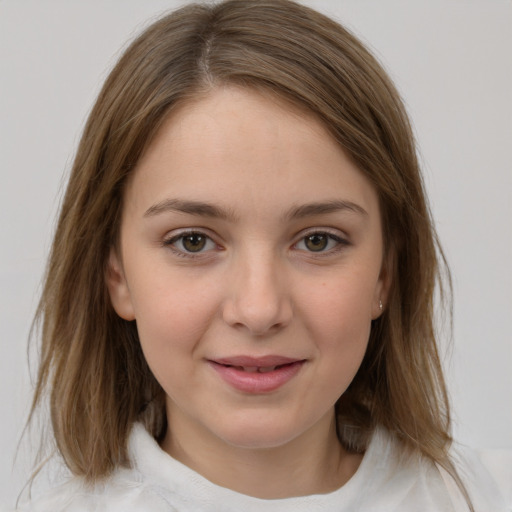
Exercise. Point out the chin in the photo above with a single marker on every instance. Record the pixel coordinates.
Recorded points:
(260, 434)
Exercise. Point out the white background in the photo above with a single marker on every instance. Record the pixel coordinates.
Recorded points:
(452, 61)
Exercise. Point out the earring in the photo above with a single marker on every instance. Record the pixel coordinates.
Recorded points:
(380, 305)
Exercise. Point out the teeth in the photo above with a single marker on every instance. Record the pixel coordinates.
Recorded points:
(267, 369)
(254, 369)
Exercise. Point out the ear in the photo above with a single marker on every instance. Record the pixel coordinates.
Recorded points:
(383, 286)
(118, 287)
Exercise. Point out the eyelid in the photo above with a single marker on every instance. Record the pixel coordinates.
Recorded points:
(171, 238)
(334, 234)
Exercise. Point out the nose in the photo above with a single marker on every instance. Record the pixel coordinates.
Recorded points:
(258, 298)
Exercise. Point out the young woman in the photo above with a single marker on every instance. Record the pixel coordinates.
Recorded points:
(238, 309)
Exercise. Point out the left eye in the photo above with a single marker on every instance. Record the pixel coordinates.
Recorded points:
(191, 243)
(318, 242)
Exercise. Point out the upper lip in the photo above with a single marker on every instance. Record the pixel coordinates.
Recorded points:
(256, 362)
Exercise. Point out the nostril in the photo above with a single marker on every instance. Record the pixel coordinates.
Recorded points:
(258, 302)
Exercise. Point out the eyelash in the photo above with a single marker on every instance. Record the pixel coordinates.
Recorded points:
(183, 253)
(341, 243)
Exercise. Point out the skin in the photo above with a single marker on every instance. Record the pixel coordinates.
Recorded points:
(254, 288)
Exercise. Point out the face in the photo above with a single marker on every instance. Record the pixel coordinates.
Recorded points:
(251, 259)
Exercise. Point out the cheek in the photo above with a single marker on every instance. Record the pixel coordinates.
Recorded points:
(172, 315)
(340, 306)
(338, 318)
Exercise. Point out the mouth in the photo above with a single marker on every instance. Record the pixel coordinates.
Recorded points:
(257, 375)
(258, 369)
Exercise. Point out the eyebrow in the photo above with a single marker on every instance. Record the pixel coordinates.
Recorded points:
(190, 207)
(204, 209)
(324, 207)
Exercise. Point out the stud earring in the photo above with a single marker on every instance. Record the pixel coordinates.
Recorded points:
(380, 305)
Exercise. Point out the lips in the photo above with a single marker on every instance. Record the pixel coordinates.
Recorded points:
(260, 369)
(257, 374)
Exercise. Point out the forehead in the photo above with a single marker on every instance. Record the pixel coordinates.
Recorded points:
(246, 148)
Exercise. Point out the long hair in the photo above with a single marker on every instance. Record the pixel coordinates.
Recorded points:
(92, 367)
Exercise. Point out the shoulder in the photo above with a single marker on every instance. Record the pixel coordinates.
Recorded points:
(124, 491)
(413, 482)
(488, 475)
(131, 489)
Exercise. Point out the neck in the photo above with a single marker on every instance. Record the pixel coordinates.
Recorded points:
(314, 463)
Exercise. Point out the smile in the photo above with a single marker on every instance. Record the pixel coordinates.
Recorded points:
(257, 375)
(253, 369)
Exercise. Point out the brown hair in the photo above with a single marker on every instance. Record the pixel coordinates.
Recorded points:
(91, 362)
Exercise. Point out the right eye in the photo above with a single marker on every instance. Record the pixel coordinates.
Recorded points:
(190, 243)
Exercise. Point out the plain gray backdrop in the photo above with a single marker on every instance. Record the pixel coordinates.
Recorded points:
(451, 60)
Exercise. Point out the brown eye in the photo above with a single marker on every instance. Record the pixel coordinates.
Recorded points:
(321, 242)
(190, 244)
(316, 242)
(194, 242)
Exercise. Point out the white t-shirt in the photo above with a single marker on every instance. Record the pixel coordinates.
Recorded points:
(385, 481)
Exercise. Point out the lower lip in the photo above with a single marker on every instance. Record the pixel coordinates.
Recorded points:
(256, 382)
